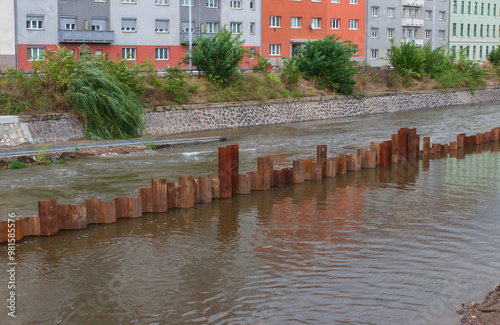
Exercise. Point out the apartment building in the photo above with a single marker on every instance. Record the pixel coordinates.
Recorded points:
(8, 39)
(474, 27)
(287, 24)
(417, 21)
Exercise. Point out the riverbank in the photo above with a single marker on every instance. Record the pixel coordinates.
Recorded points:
(176, 119)
(485, 313)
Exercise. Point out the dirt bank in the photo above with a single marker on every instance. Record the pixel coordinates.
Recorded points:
(485, 313)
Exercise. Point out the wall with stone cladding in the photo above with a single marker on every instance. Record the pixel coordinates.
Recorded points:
(188, 118)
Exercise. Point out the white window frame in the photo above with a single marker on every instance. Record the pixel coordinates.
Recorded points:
(335, 23)
(335, 1)
(161, 2)
(428, 34)
(214, 27)
(252, 4)
(275, 21)
(162, 30)
(374, 54)
(428, 15)
(375, 11)
(355, 49)
(353, 24)
(390, 32)
(185, 3)
(353, 2)
(442, 15)
(443, 32)
(315, 23)
(98, 26)
(296, 22)
(374, 32)
(252, 28)
(212, 3)
(35, 22)
(235, 27)
(274, 49)
(35, 53)
(391, 12)
(129, 53)
(129, 29)
(235, 4)
(68, 25)
(162, 54)
(128, 1)
(98, 52)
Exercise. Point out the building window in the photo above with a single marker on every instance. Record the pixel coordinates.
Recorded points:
(489, 13)
(374, 33)
(428, 34)
(274, 49)
(461, 29)
(274, 21)
(475, 29)
(161, 25)
(235, 28)
(455, 6)
(388, 53)
(462, 8)
(128, 1)
(99, 24)
(185, 3)
(374, 11)
(128, 24)
(494, 10)
(335, 1)
(441, 35)
(442, 15)
(68, 23)
(252, 53)
(494, 30)
(35, 53)
(34, 21)
(296, 22)
(98, 52)
(252, 28)
(373, 54)
(481, 31)
(315, 23)
(212, 27)
(480, 52)
(487, 30)
(355, 50)
(235, 4)
(482, 8)
(468, 8)
(252, 4)
(162, 53)
(428, 15)
(475, 8)
(468, 29)
(99, 0)
(335, 23)
(353, 24)
(128, 53)
(353, 2)
(454, 30)
(390, 12)
(390, 32)
(161, 2)
(185, 26)
(212, 3)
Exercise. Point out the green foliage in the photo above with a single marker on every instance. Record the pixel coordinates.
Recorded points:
(17, 165)
(290, 72)
(150, 143)
(273, 78)
(262, 64)
(494, 56)
(408, 60)
(218, 56)
(436, 61)
(42, 153)
(109, 108)
(59, 67)
(175, 85)
(296, 94)
(328, 60)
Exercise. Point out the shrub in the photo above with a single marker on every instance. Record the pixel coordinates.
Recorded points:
(408, 60)
(262, 64)
(494, 56)
(219, 56)
(17, 165)
(328, 60)
(42, 153)
(290, 71)
(436, 61)
(175, 85)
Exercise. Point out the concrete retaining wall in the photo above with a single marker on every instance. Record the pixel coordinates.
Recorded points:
(187, 118)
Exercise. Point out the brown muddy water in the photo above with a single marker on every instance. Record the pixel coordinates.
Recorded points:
(403, 244)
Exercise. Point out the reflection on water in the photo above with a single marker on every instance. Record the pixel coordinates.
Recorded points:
(401, 244)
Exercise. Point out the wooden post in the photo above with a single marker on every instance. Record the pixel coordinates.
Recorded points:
(469, 141)
(146, 195)
(47, 211)
(71, 217)
(3, 227)
(317, 173)
(395, 148)
(243, 184)
(254, 180)
(205, 189)
(288, 175)
(92, 208)
(215, 188)
(307, 169)
(487, 137)
(18, 230)
(403, 143)
(342, 163)
(418, 144)
(225, 172)
(234, 152)
(31, 226)
(412, 143)
(351, 162)
(173, 195)
(107, 212)
(128, 208)
(278, 177)
(375, 147)
(495, 134)
(427, 145)
(160, 195)
(453, 145)
(322, 156)
(479, 139)
(186, 197)
(461, 141)
(388, 148)
(330, 167)
(298, 172)
(384, 155)
(264, 171)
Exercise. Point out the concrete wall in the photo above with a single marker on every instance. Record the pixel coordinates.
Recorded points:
(8, 39)
(189, 118)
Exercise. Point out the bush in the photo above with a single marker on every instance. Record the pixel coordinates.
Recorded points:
(436, 61)
(290, 72)
(494, 56)
(408, 60)
(17, 165)
(262, 64)
(329, 61)
(175, 85)
(219, 56)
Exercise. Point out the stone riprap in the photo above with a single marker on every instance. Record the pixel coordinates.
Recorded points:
(165, 120)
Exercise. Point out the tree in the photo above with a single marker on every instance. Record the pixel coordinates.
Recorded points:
(329, 61)
(218, 56)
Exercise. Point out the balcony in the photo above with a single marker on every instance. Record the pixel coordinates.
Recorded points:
(86, 36)
(415, 22)
(413, 3)
(416, 41)
(185, 36)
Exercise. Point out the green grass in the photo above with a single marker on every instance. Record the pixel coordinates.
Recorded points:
(17, 165)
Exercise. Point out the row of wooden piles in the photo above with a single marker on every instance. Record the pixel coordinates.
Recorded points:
(188, 191)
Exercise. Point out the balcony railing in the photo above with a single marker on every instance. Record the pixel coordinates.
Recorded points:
(417, 22)
(413, 3)
(86, 36)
